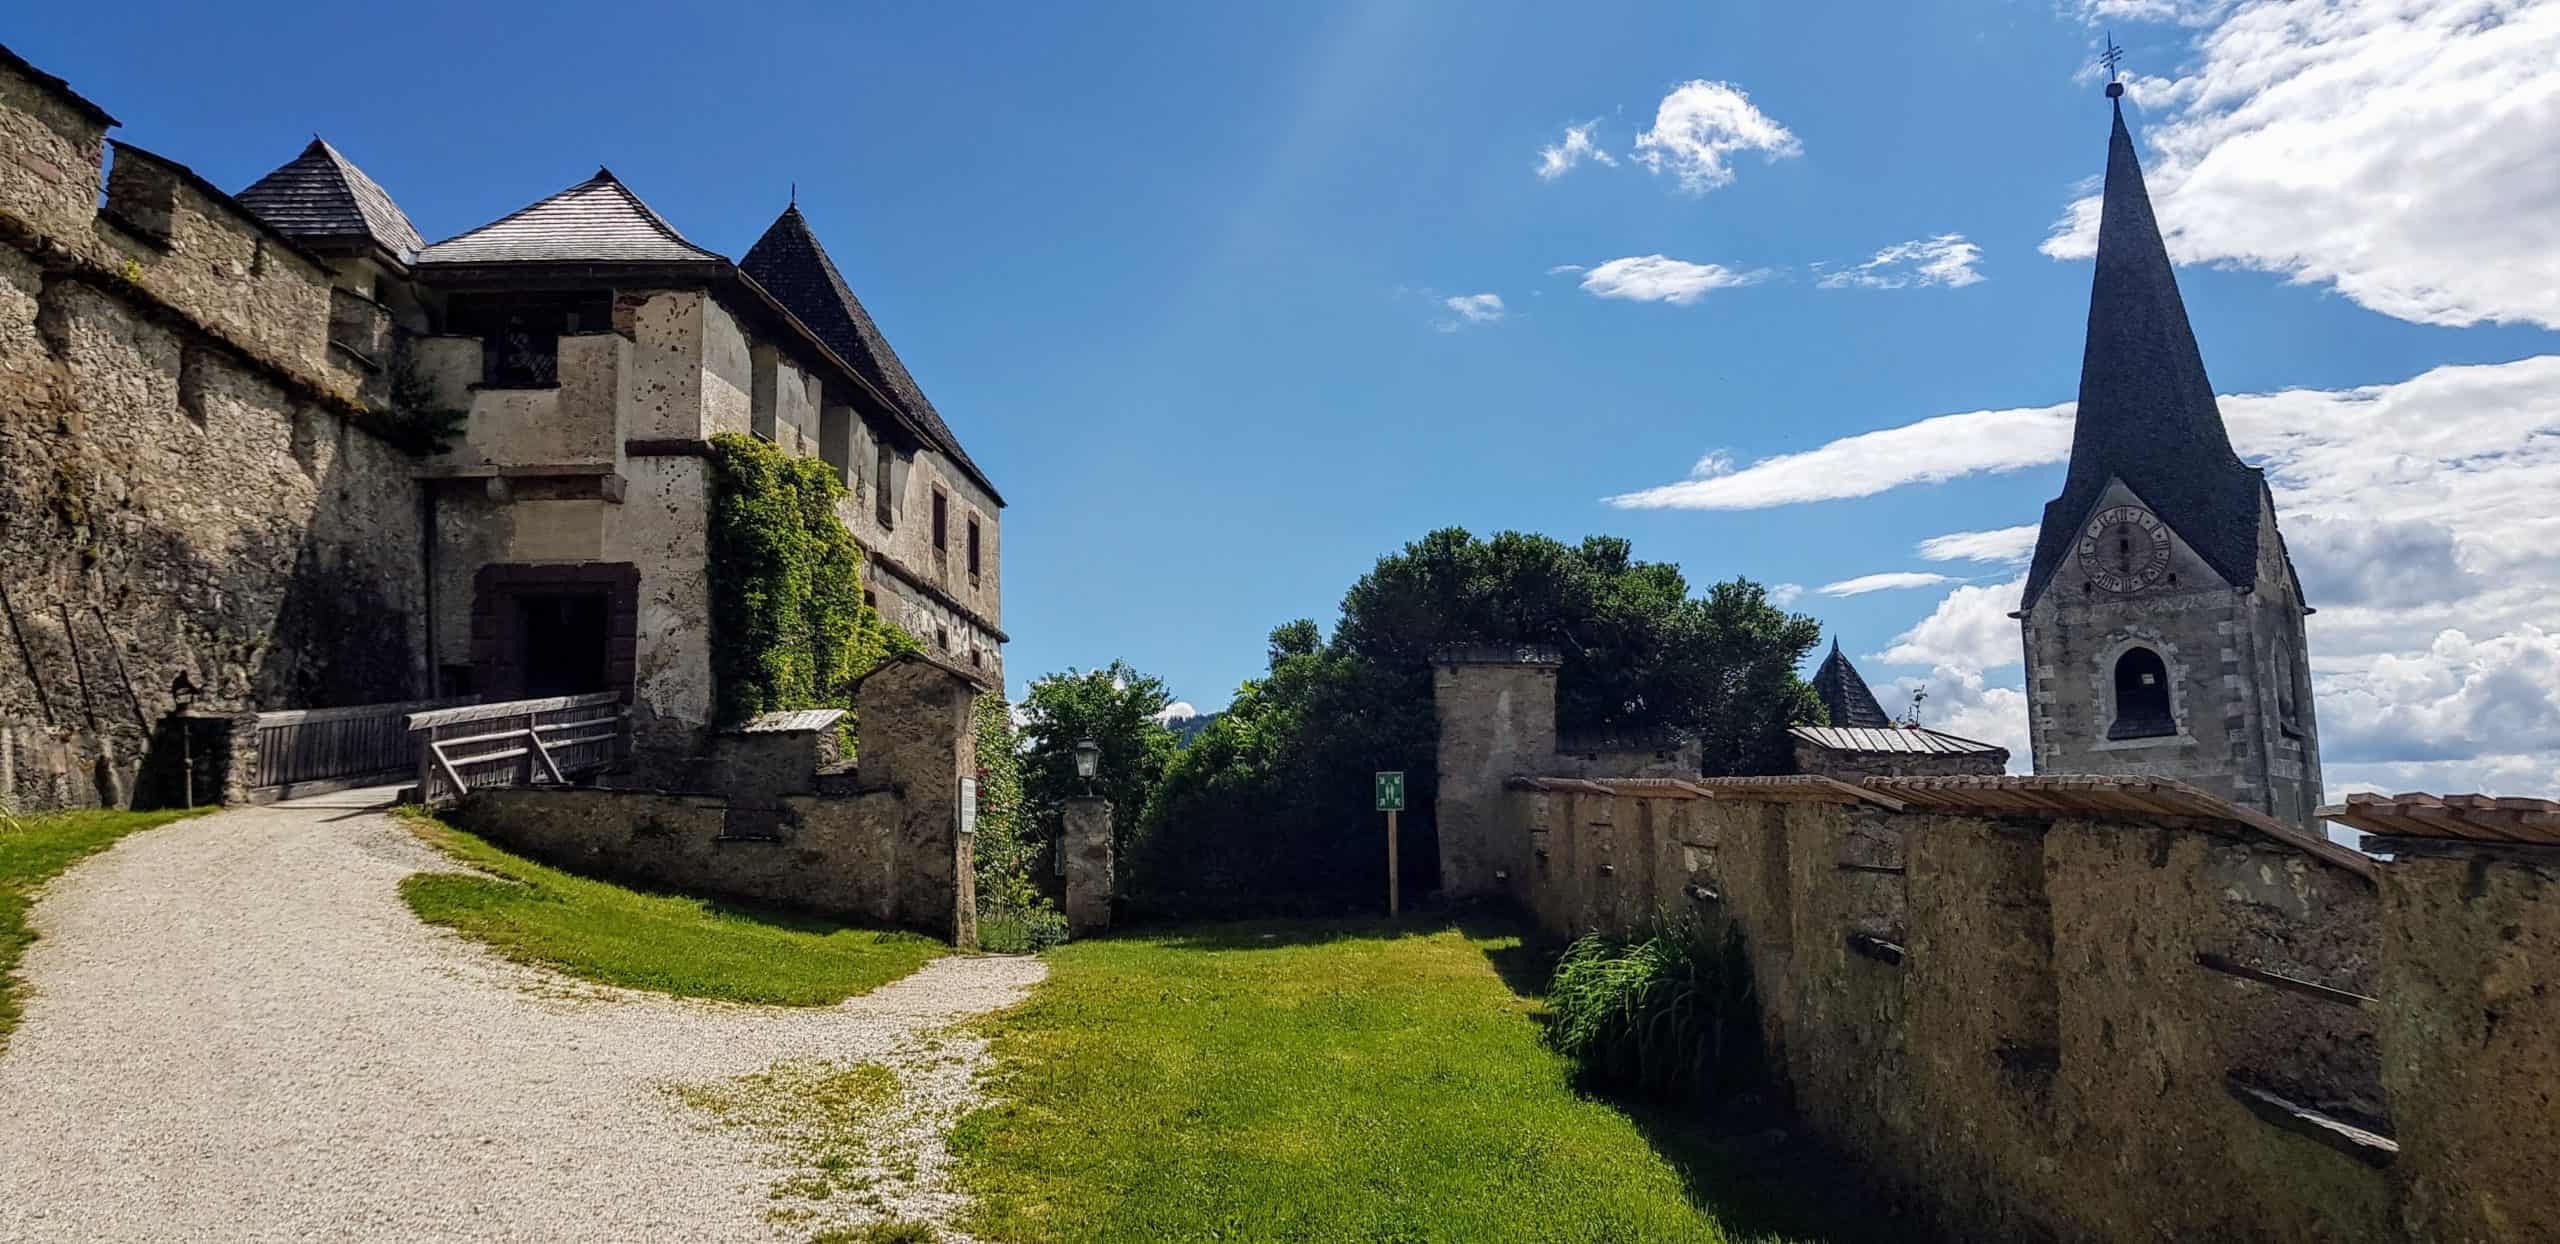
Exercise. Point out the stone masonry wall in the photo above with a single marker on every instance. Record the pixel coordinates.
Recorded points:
(186, 488)
(878, 844)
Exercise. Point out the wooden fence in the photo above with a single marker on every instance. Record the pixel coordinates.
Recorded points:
(303, 751)
(516, 743)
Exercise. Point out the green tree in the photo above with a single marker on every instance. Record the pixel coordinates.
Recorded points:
(1117, 707)
(1275, 796)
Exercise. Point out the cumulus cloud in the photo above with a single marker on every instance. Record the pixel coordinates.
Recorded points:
(1470, 309)
(1700, 125)
(1927, 452)
(1660, 278)
(1558, 158)
(1176, 711)
(2005, 544)
(1889, 581)
(1784, 594)
(1946, 259)
(1958, 702)
(2397, 152)
(1969, 630)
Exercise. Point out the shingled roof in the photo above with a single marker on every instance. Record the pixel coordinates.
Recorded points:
(599, 220)
(1845, 695)
(789, 263)
(321, 197)
(2147, 414)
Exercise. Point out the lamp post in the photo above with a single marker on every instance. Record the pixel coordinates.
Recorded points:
(1088, 761)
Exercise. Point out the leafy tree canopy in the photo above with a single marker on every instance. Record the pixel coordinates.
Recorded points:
(1275, 796)
(1115, 706)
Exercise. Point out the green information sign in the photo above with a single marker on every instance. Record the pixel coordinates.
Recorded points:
(1391, 792)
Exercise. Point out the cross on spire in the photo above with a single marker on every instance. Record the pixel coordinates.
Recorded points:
(2112, 57)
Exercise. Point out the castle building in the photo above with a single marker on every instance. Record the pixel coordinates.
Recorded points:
(2162, 617)
(594, 350)
(219, 497)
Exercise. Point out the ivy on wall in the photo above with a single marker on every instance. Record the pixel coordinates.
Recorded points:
(788, 626)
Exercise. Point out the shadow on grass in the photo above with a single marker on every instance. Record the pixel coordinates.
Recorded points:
(1762, 1177)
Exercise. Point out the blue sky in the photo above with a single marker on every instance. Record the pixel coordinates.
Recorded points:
(1179, 277)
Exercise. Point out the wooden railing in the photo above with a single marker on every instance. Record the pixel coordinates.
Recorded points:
(516, 743)
(302, 749)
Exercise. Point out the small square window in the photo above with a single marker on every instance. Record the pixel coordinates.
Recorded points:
(942, 638)
(973, 548)
(941, 521)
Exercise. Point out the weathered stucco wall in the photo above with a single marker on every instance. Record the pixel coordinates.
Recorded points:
(1497, 710)
(2052, 1026)
(183, 491)
(882, 843)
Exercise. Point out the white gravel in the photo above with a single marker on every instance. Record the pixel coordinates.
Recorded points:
(239, 1032)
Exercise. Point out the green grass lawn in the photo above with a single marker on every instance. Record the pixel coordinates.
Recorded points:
(35, 850)
(700, 948)
(1333, 1082)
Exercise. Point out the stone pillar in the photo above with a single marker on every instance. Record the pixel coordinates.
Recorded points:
(1497, 708)
(919, 738)
(1086, 844)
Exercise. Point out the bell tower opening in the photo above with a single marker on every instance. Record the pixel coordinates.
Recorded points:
(2142, 697)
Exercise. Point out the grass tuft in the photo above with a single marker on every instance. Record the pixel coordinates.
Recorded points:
(671, 943)
(1668, 1017)
(35, 850)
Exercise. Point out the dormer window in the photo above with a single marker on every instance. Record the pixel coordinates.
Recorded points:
(2142, 697)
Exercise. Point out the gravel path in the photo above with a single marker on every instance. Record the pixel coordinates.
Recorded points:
(239, 1032)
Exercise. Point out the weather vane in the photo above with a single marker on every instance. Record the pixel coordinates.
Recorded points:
(2114, 56)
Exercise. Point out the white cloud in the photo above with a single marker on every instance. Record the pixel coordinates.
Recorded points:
(1969, 630)
(1557, 159)
(1889, 581)
(2177, 12)
(1471, 309)
(1660, 278)
(1946, 259)
(1699, 125)
(1927, 452)
(1785, 594)
(1959, 704)
(1176, 711)
(2397, 151)
(2005, 544)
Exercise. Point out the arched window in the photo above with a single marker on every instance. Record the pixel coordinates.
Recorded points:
(2142, 697)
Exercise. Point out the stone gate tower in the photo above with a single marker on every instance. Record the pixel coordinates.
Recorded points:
(2162, 618)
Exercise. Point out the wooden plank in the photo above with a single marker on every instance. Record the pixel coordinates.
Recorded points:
(2371, 1148)
(509, 708)
(544, 755)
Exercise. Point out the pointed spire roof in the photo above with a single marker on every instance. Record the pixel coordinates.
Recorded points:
(790, 264)
(2147, 413)
(1844, 694)
(321, 197)
(599, 220)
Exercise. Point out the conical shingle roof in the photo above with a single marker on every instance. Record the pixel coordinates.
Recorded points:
(2147, 413)
(599, 220)
(790, 264)
(321, 196)
(1844, 694)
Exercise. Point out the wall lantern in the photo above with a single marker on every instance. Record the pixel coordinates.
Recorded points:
(1088, 761)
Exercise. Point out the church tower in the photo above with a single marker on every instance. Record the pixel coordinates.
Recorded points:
(2162, 618)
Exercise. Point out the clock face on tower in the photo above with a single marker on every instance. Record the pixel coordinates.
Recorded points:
(2124, 548)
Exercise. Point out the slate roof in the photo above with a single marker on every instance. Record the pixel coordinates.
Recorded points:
(2147, 413)
(1845, 695)
(321, 196)
(1895, 740)
(795, 269)
(599, 220)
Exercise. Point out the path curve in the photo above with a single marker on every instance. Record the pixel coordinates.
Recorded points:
(237, 1031)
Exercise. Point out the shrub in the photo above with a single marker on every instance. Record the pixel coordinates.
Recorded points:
(1014, 917)
(1668, 1017)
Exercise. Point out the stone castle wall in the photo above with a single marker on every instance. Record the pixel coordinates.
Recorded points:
(187, 488)
(2050, 1022)
(881, 843)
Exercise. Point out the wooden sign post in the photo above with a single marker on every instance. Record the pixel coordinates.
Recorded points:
(1391, 802)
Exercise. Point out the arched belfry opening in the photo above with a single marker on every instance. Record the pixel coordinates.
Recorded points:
(2142, 696)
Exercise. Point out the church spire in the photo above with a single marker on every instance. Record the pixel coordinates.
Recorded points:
(2147, 413)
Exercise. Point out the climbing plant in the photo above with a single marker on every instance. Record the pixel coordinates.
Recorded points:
(789, 628)
(1013, 915)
